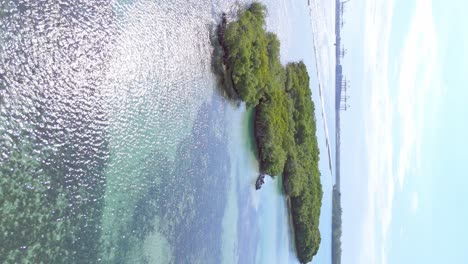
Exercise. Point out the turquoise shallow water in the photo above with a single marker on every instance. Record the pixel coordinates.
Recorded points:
(118, 146)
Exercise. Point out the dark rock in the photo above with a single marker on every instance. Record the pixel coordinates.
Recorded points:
(260, 181)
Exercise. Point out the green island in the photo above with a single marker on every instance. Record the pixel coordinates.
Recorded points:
(336, 226)
(285, 125)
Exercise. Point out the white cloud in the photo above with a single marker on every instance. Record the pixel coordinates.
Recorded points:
(414, 202)
(391, 158)
(418, 81)
(378, 123)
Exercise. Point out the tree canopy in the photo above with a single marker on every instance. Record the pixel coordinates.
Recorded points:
(336, 226)
(252, 53)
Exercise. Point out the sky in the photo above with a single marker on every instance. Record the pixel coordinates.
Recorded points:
(404, 166)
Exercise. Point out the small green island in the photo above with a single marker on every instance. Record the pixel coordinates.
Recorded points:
(285, 125)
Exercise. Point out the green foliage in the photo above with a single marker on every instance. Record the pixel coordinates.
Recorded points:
(248, 54)
(336, 227)
(301, 173)
(285, 125)
(272, 132)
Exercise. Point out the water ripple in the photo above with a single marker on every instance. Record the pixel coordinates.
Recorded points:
(89, 92)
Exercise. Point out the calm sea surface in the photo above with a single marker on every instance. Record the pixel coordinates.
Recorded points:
(117, 144)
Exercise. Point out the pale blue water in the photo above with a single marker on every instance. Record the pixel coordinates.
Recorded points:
(117, 145)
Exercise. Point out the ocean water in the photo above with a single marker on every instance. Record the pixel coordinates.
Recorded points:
(118, 145)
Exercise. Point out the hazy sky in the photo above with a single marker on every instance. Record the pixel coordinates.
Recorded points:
(404, 166)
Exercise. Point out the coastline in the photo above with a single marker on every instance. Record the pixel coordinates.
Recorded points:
(222, 60)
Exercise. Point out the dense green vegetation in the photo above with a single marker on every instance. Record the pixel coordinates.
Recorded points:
(253, 56)
(336, 227)
(301, 173)
(285, 126)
